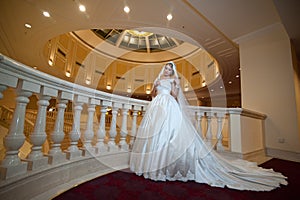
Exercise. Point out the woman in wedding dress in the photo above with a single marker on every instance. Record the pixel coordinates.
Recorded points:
(168, 147)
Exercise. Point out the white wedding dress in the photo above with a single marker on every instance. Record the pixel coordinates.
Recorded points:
(168, 147)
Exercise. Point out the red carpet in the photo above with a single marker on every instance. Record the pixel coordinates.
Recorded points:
(126, 185)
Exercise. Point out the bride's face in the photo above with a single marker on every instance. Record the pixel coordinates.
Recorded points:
(168, 71)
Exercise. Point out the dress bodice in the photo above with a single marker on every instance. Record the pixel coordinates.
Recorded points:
(165, 86)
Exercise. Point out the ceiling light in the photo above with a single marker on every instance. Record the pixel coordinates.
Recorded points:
(126, 9)
(108, 87)
(237, 76)
(88, 81)
(27, 25)
(46, 14)
(148, 91)
(230, 82)
(169, 17)
(82, 8)
(221, 87)
(68, 74)
(50, 62)
(212, 90)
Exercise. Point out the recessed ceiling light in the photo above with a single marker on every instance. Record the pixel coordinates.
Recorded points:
(88, 81)
(68, 74)
(221, 87)
(237, 76)
(82, 8)
(230, 82)
(27, 25)
(50, 62)
(169, 17)
(212, 90)
(126, 9)
(46, 14)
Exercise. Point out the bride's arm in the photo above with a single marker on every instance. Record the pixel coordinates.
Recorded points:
(175, 89)
(153, 92)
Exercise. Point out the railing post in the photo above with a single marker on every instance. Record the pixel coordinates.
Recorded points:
(123, 144)
(101, 133)
(12, 165)
(135, 110)
(89, 132)
(36, 158)
(235, 141)
(113, 127)
(55, 154)
(220, 117)
(199, 116)
(73, 150)
(208, 135)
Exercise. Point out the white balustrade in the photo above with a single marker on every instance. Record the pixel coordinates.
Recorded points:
(73, 150)
(57, 135)
(89, 132)
(113, 127)
(101, 133)
(68, 125)
(12, 165)
(220, 118)
(135, 110)
(199, 118)
(36, 158)
(123, 133)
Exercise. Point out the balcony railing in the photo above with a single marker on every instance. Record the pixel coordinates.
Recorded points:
(62, 147)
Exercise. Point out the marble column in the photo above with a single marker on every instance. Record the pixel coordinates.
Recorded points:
(12, 165)
(101, 133)
(113, 130)
(36, 158)
(123, 144)
(57, 136)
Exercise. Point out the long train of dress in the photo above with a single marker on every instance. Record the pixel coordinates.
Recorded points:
(168, 147)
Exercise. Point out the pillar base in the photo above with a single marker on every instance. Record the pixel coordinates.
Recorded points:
(37, 163)
(101, 149)
(73, 154)
(12, 171)
(57, 158)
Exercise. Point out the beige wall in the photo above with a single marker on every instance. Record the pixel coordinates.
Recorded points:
(267, 85)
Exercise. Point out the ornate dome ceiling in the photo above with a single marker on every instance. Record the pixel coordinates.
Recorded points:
(139, 41)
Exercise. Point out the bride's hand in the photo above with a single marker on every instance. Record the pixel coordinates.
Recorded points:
(156, 83)
(176, 81)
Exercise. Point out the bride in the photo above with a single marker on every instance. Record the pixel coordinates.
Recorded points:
(168, 147)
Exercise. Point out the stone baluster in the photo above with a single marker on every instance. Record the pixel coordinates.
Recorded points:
(220, 117)
(134, 124)
(11, 165)
(113, 128)
(199, 117)
(36, 158)
(123, 144)
(89, 131)
(208, 135)
(73, 150)
(101, 133)
(55, 154)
